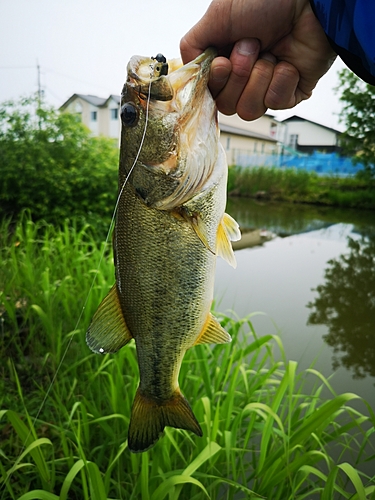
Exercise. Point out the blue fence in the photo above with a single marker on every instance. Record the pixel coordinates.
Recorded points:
(321, 163)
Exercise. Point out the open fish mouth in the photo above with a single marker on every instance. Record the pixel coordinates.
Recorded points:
(166, 80)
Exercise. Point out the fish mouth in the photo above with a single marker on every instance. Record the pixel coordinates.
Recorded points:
(164, 80)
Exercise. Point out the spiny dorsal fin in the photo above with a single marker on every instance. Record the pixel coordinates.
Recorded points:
(227, 231)
(213, 333)
(149, 417)
(108, 331)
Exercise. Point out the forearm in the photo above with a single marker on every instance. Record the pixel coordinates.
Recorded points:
(349, 26)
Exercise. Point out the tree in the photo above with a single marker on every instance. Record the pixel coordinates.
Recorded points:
(346, 304)
(358, 114)
(51, 165)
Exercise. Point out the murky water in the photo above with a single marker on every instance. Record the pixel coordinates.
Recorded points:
(314, 282)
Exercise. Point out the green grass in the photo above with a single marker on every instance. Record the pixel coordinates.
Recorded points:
(269, 430)
(301, 186)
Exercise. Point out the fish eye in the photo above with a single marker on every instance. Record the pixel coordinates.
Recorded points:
(129, 114)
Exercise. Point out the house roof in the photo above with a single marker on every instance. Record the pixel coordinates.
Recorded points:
(92, 99)
(296, 118)
(245, 133)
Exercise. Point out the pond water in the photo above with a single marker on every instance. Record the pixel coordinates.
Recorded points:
(324, 312)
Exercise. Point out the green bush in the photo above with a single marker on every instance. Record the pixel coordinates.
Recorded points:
(51, 165)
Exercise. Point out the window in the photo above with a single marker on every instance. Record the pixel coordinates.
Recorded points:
(228, 144)
(293, 141)
(114, 113)
(255, 146)
(94, 116)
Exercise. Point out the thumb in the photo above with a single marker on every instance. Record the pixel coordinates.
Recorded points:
(211, 30)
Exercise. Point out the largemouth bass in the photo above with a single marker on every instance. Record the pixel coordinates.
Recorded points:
(170, 226)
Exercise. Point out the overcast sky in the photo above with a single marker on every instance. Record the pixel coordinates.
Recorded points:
(83, 46)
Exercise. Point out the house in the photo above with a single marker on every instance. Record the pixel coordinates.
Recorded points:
(307, 136)
(248, 143)
(240, 139)
(100, 115)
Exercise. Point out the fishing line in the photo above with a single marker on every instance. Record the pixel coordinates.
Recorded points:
(75, 331)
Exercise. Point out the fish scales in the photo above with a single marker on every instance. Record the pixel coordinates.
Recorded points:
(170, 226)
(164, 273)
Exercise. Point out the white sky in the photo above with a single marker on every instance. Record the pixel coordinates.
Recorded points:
(83, 46)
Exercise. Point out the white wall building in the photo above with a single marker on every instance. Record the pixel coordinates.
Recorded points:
(100, 115)
(241, 139)
(307, 136)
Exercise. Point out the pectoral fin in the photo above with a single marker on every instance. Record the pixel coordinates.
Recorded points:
(108, 331)
(228, 231)
(213, 333)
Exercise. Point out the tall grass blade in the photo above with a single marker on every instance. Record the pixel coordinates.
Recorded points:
(169, 484)
(39, 495)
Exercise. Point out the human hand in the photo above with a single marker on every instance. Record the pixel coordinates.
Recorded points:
(276, 53)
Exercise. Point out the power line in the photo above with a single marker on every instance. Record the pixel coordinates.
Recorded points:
(17, 67)
(75, 79)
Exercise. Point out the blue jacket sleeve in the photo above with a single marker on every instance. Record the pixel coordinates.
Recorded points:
(350, 28)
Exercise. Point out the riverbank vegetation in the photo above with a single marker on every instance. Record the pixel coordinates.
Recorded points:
(301, 186)
(270, 429)
(53, 166)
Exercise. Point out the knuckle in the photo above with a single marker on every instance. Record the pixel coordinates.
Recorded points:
(281, 91)
(240, 73)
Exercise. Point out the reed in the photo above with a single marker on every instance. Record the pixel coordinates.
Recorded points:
(269, 428)
(301, 186)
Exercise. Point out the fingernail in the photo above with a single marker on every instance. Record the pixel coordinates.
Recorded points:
(267, 56)
(247, 46)
(220, 74)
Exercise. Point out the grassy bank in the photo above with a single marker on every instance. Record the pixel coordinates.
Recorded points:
(265, 433)
(301, 186)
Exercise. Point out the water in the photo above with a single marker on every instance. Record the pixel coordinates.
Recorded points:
(332, 327)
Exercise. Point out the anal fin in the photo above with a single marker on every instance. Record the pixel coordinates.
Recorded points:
(213, 333)
(108, 331)
(149, 417)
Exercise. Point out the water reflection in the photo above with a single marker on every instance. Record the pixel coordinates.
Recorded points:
(286, 219)
(346, 305)
(313, 263)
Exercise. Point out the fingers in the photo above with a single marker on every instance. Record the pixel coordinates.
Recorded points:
(219, 74)
(242, 59)
(262, 84)
(282, 90)
(251, 104)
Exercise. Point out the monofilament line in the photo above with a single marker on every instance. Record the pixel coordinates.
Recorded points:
(92, 284)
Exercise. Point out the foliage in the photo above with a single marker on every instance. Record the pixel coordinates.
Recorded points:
(265, 434)
(51, 164)
(358, 114)
(348, 294)
(301, 186)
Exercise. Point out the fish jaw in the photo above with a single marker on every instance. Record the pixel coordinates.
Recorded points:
(180, 145)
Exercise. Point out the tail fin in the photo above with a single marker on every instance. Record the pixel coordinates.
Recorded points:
(149, 418)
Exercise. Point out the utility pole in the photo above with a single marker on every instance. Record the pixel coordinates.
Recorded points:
(39, 93)
(39, 87)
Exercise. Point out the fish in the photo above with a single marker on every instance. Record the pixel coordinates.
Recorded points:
(170, 226)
